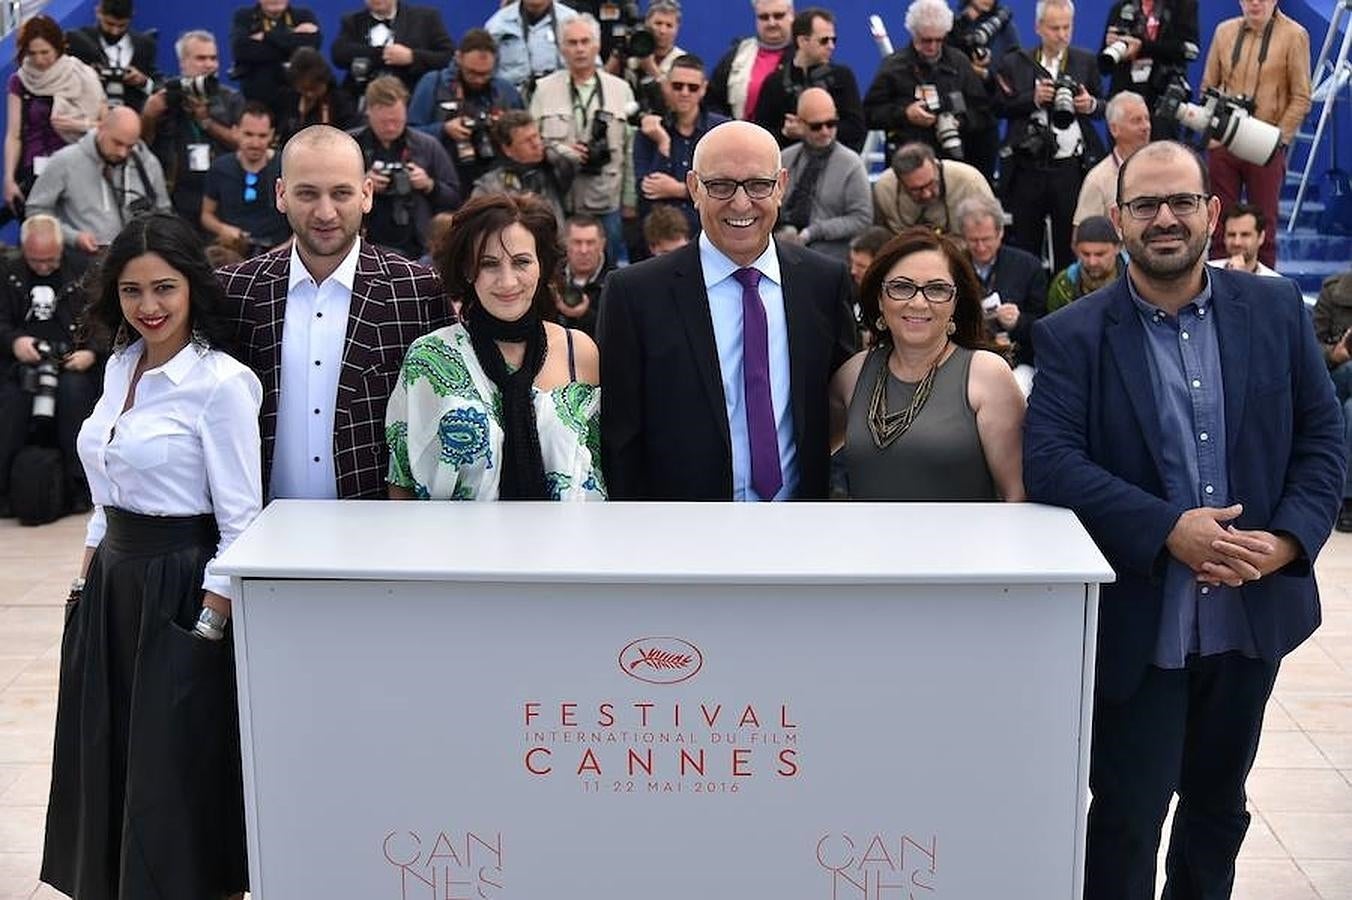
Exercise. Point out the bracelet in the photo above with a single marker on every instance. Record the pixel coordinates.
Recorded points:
(76, 590)
(210, 624)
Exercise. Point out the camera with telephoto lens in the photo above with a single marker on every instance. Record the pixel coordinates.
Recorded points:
(40, 379)
(976, 40)
(598, 143)
(1229, 120)
(1127, 23)
(947, 109)
(478, 147)
(1064, 89)
(630, 38)
(190, 87)
(112, 79)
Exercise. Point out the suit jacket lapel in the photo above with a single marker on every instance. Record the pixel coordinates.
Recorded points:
(691, 300)
(1232, 330)
(370, 291)
(1126, 340)
(798, 314)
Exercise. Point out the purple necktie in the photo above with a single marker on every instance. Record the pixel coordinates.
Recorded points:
(766, 478)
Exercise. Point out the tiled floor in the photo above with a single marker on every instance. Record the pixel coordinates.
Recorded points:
(1299, 847)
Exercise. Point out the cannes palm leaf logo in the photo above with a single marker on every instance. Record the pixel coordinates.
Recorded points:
(661, 660)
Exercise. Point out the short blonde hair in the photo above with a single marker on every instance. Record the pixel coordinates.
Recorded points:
(387, 90)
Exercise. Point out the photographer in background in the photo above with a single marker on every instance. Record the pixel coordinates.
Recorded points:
(40, 303)
(929, 92)
(101, 182)
(390, 38)
(262, 39)
(1148, 46)
(584, 274)
(412, 176)
(1263, 56)
(1333, 330)
(582, 112)
(645, 73)
(529, 35)
(526, 166)
(314, 97)
(124, 59)
(920, 189)
(240, 206)
(814, 35)
(190, 121)
(665, 146)
(458, 105)
(1050, 95)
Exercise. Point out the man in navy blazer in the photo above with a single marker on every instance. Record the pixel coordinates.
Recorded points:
(716, 357)
(1186, 417)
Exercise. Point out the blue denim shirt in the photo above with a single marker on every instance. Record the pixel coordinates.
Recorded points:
(1184, 357)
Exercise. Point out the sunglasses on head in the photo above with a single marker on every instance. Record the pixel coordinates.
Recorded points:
(250, 187)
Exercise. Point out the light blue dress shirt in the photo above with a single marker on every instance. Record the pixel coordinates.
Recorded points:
(1184, 356)
(725, 306)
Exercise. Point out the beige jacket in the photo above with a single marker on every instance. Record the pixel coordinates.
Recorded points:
(1282, 90)
(894, 209)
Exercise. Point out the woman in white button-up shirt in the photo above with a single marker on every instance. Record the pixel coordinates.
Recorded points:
(146, 797)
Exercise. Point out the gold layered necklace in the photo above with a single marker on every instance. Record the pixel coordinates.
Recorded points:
(887, 426)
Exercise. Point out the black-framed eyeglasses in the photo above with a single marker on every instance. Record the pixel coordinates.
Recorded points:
(685, 86)
(1146, 208)
(823, 125)
(767, 16)
(903, 290)
(826, 39)
(250, 187)
(725, 188)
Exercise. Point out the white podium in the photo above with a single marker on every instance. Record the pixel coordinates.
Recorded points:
(660, 701)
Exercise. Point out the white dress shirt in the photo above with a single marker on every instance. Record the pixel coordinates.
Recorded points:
(1262, 270)
(188, 445)
(314, 333)
(725, 306)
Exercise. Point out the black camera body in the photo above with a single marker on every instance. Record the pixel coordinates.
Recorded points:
(1224, 118)
(40, 379)
(598, 143)
(479, 146)
(361, 69)
(1064, 89)
(113, 79)
(1129, 21)
(948, 108)
(976, 41)
(397, 173)
(630, 38)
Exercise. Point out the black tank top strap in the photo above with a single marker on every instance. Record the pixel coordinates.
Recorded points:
(572, 362)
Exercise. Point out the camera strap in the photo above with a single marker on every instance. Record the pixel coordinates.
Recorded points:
(1262, 51)
(580, 106)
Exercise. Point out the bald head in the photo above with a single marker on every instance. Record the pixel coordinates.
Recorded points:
(740, 139)
(337, 147)
(118, 133)
(1133, 177)
(817, 111)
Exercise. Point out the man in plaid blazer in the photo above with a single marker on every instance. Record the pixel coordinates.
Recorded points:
(325, 325)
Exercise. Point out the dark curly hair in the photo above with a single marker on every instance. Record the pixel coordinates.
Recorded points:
(44, 27)
(176, 242)
(971, 331)
(457, 257)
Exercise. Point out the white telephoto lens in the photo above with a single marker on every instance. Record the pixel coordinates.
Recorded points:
(1252, 140)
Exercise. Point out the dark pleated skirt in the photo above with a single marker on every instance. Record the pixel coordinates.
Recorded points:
(147, 799)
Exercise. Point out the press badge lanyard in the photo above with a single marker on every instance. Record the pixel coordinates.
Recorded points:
(1262, 52)
(581, 106)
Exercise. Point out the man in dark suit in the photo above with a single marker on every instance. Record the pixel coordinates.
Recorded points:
(716, 357)
(124, 59)
(1051, 96)
(1184, 414)
(1013, 282)
(325, 326)
(262, 38)
(390, 38)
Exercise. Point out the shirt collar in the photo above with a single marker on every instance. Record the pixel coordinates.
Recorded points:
(345, 274)
(1150, 311)
(717, 267)
(176, 369)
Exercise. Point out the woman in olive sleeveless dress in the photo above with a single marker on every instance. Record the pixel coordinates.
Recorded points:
(927, 414)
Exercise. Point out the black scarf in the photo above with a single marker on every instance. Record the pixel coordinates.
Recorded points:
(523, 468)
(798, 206)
